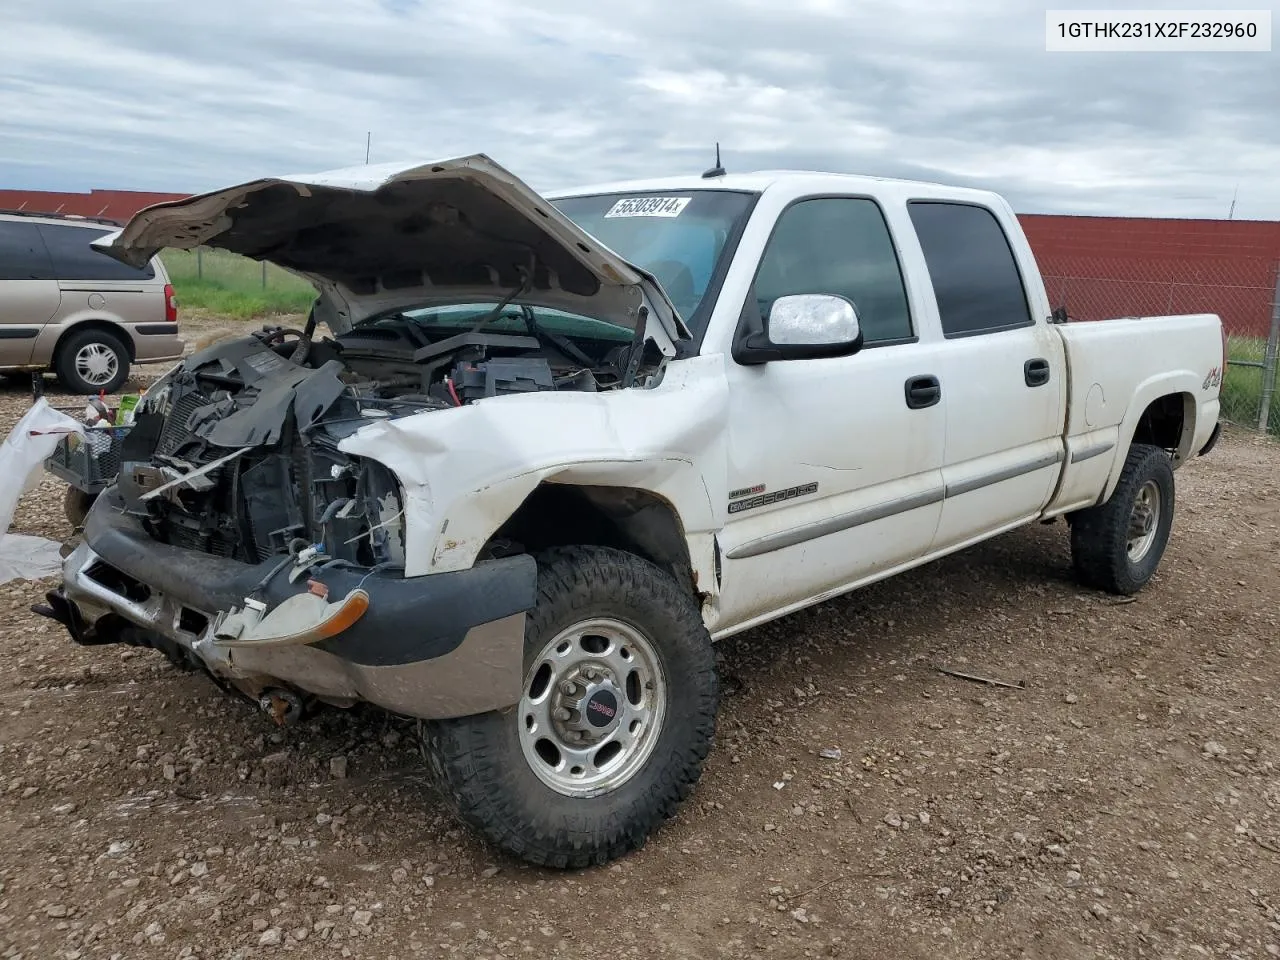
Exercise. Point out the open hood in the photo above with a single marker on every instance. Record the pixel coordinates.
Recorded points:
(374, 238)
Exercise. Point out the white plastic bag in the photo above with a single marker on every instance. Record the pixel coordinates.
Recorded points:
(28, 558)
(22, 455)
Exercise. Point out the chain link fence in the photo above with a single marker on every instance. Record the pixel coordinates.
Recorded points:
(1244, 292)
(235, 286)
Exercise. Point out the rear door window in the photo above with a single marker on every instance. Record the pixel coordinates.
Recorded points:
(74, 259)
(975, 276)
(22, 252)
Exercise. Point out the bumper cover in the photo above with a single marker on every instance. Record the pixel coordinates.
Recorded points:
(442, 645)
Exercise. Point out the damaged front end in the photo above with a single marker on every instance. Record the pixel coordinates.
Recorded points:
(233, 457)
(241, 537)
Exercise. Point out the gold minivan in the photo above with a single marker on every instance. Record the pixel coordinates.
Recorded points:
(67, 308)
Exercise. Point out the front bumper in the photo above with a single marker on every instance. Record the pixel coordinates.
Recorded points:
(442, 645)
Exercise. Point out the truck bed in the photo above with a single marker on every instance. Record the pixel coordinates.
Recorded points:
(1115, 370)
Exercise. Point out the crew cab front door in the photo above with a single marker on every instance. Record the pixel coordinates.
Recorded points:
(834, 465)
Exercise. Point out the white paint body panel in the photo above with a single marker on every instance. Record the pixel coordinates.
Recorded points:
(1125, 365)
(835, 422)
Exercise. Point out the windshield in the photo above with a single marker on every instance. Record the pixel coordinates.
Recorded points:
(684, 238)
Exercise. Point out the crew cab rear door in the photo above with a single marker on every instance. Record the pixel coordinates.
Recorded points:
(1003, 370)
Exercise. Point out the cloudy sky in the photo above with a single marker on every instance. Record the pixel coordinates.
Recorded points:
(191, 96)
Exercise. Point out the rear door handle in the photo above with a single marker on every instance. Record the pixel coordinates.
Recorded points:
(923, 392)
(1036, 372)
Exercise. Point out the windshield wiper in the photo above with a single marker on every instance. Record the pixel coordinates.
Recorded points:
(564, 345)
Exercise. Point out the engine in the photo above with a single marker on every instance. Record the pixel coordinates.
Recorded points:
(236, 452)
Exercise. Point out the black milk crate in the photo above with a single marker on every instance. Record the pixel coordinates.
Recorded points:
(90, 462)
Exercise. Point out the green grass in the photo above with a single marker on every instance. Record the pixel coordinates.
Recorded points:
(1242, 388)
(238, 302)
(233, 286)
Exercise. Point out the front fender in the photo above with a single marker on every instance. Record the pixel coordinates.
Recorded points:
(466, 470)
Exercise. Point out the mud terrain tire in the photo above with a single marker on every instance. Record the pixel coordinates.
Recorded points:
(1116, 546)
(485, 764)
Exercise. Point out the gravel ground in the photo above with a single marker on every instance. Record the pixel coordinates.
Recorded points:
(859, 803)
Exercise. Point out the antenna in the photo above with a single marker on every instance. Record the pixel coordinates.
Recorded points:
(1232, 212)
(368, 142)
(717, 170)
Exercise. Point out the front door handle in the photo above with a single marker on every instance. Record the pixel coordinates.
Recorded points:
(923, 391)
(1036, 372)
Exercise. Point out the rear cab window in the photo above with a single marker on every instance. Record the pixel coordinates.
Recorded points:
(976, 280)
(74, 259)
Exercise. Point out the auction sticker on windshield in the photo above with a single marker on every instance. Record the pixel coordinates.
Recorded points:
(648, 207)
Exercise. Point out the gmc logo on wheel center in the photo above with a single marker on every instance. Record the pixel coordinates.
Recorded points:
(603, 708)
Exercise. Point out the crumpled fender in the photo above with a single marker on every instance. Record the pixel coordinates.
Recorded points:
(465, 471)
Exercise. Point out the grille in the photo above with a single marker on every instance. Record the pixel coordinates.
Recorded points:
(223, 547)
(183, 536)
(188, 539)
(175, 432)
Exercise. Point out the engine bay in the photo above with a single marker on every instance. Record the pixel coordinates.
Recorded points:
(235, 453)
(396, 359)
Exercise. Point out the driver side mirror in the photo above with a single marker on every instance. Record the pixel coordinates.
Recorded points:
(804, 326)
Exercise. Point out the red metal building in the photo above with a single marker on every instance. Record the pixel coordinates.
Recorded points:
(1102, 267)
(112, 204)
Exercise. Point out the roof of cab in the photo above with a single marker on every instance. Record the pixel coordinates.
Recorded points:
(761, 180)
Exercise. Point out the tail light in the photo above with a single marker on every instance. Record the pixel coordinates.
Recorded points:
(171, 304)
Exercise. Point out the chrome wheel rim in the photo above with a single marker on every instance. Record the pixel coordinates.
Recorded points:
(1144, 521)
(97, 364)
(570, 738)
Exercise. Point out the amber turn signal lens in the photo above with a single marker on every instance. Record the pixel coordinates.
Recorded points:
(351, 609)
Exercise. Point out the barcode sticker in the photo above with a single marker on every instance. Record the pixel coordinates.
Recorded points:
(648, 207)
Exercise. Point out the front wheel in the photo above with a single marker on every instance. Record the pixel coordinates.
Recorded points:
(615, 719)
(1116, 546)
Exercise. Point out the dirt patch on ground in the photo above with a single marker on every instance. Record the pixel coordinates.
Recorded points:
(1126, 803)
(201, 329)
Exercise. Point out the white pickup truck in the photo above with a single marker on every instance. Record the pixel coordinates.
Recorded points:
(552, 448)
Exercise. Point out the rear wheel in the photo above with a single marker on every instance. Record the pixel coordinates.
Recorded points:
(1116, 546)
(616, 716)
(90, 361)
